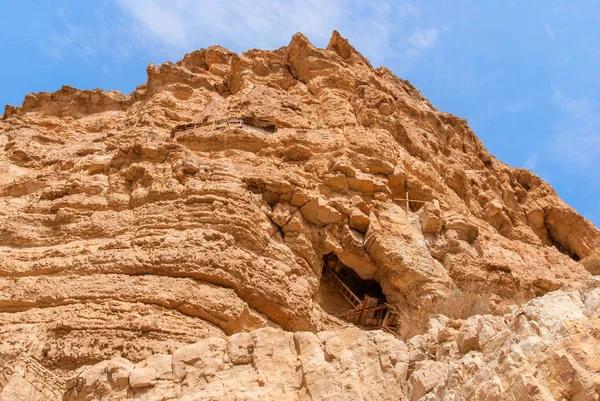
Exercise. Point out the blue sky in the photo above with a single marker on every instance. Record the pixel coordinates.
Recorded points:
(524, 74)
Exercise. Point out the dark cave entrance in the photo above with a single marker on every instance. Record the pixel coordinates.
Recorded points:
(352, 280)
(359, 286)
(562, 249)
(344, 294)
(336, 295)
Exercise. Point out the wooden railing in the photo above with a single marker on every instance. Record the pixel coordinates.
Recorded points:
(383, 316)
(343, 288)
(251, 122)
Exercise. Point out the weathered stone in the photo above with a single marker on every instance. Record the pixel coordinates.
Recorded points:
(317, 211)
(299, 197)
(359, 221)
(157, 223)
(19, 389)
(276, 364)
(282, 213)
(240, 348)
(207, 356)
(118, 370)
(430, 217)
(427, 376)
(362, 183)
(142, 377)
(337, 182)
(190, 166)
(466, 230)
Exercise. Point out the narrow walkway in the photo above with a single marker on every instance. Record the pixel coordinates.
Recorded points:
(246, 122)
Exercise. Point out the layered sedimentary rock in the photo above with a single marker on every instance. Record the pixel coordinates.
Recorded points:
(120, 236)
(547, 349)
(266, 364)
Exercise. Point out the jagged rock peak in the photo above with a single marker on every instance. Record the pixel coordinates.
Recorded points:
(200, 68)
(344, 49)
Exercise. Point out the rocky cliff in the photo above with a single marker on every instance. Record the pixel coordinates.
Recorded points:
(548, 349)
(201, 206)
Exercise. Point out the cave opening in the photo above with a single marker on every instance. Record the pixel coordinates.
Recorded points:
(558, 245)
(356, 288)
(352, 280)
(344, 294)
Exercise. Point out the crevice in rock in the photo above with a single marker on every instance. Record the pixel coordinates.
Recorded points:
(559, 246)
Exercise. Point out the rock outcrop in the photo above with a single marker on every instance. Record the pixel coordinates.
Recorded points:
(547, 349)
(120, 235)
(266, 364)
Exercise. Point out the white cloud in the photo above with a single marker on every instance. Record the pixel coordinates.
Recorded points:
(424, 39)
(50, 51)
(382, 30)
(160, 19)
(182, 25)
(388, 32)
(531, 162)
(577, 134)
(549, 31)
(98, 39)
(518, 106)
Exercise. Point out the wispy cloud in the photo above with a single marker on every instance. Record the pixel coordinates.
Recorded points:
(518, 106)
(50, 50)
(392, 33)
(531, 162)
(424, 39)
(66, 37)
(380, 29)
(164, 21)
(180, 26)
(549, 31)
(576, 142)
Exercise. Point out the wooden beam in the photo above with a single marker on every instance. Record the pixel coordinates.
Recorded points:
(407, 198)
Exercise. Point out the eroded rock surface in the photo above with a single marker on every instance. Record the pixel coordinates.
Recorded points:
(119, 237)
(547, 349)
(265, 364)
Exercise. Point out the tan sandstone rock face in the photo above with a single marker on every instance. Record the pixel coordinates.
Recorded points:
(548, 349)
(121, 240)
(265, 364)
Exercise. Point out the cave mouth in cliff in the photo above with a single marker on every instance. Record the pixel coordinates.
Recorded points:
(360, 286)
(562, 248)
(357, 285)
